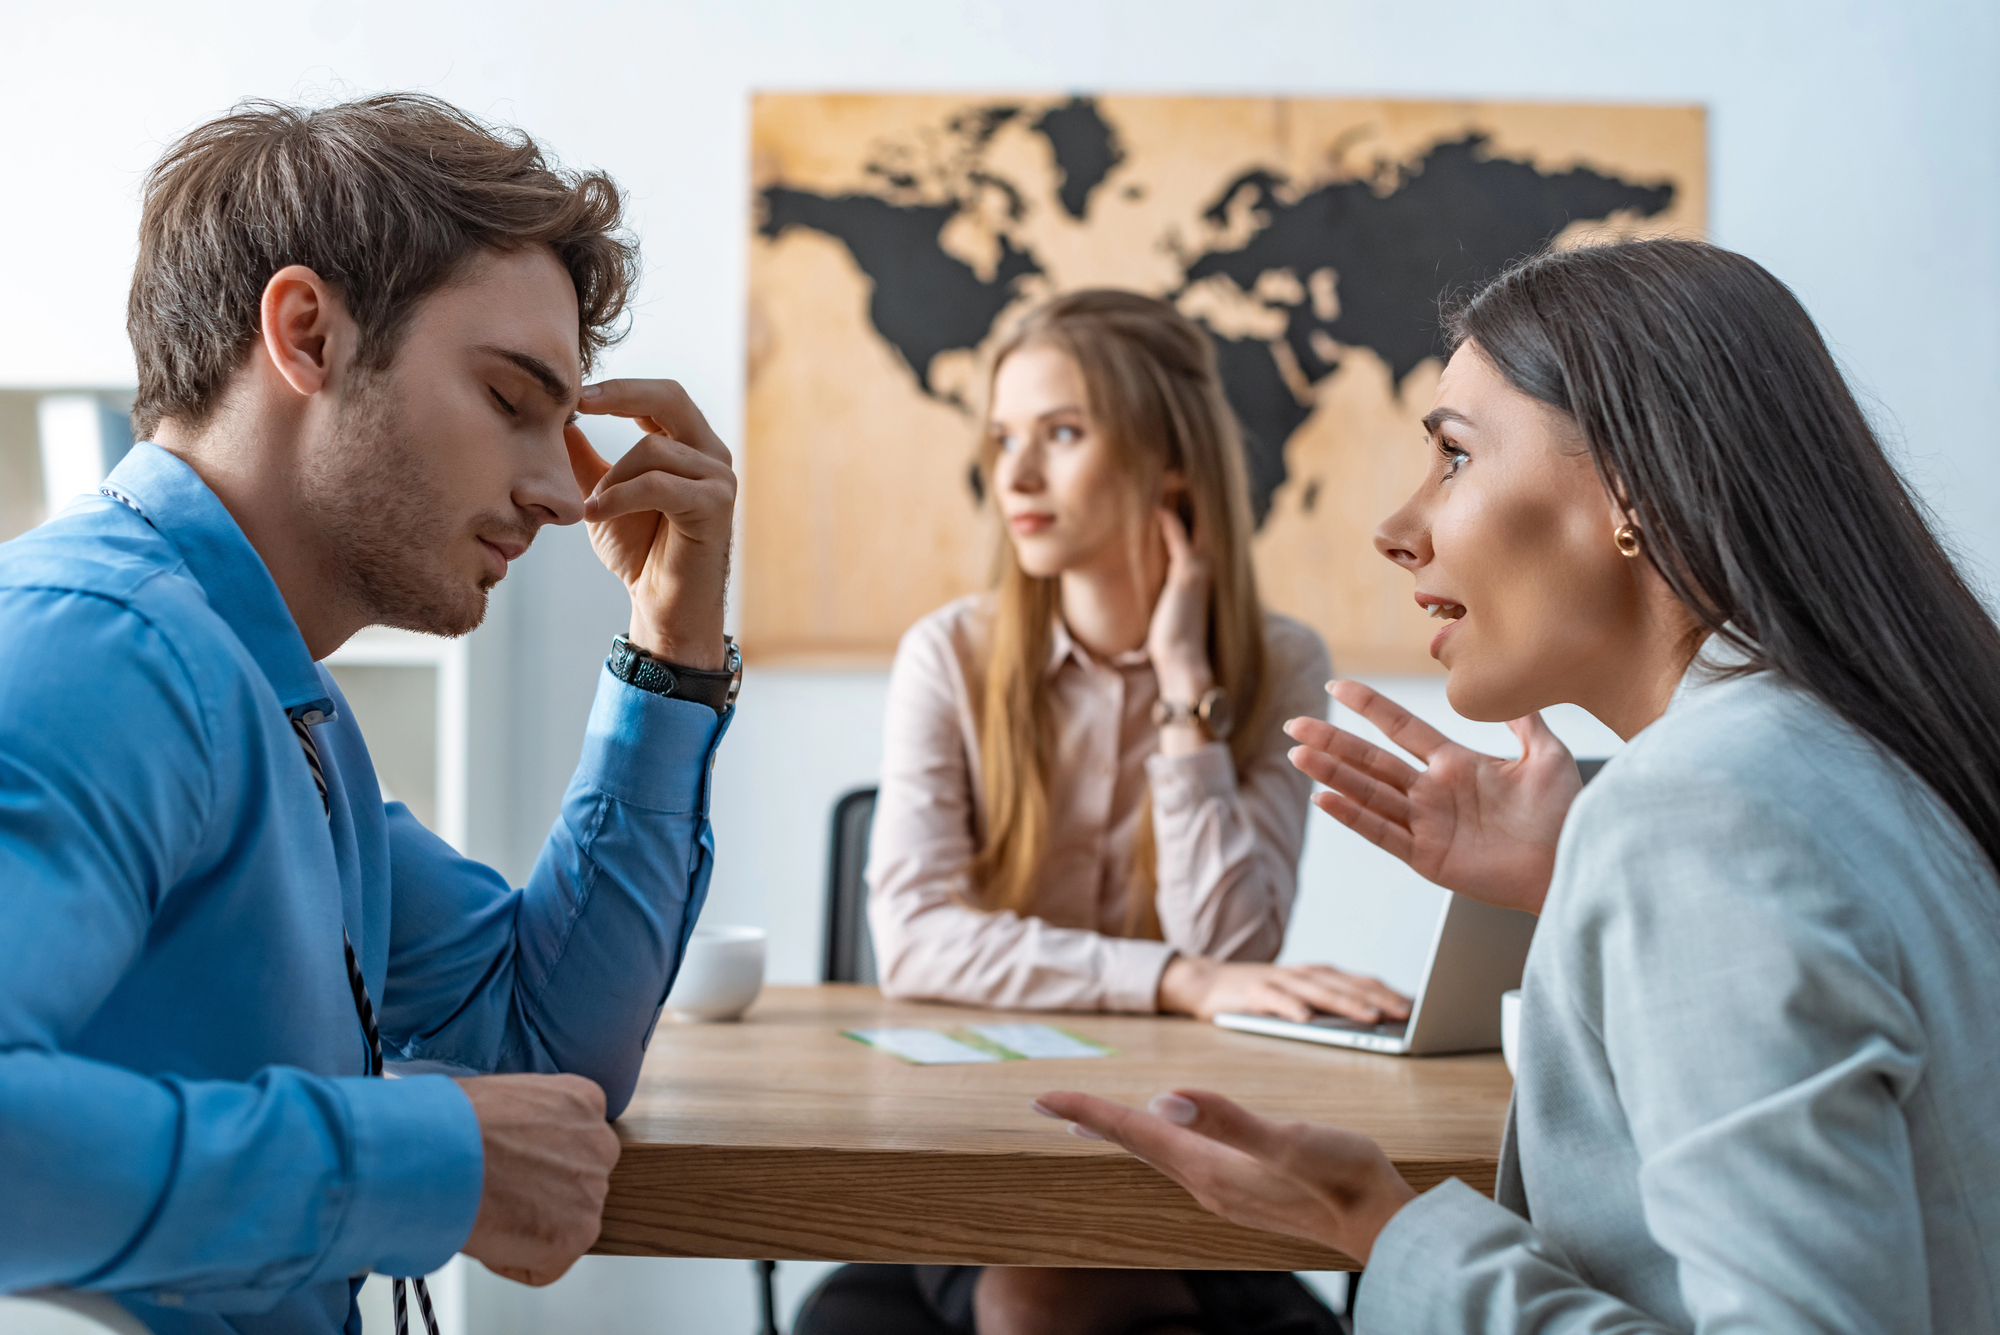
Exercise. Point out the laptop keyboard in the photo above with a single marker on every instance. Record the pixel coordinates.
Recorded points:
(1390, 1029)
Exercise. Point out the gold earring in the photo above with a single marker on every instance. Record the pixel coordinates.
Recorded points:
(1627, 539)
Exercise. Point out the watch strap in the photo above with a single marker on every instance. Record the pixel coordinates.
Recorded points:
(716, 689)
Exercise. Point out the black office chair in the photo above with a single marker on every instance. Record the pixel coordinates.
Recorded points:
(850, 953)
(1588, 768)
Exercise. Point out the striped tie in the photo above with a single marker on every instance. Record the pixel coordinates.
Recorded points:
(366, 1011)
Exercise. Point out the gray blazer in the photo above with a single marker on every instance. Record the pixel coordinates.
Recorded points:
(1759, 1073)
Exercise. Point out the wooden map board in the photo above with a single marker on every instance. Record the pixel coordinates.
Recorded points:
(897, 238)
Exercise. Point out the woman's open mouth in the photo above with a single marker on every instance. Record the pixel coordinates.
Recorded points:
(1441, 609)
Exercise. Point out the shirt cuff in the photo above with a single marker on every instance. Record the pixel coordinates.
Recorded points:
(418, 1170)
(649, 750)
(1180, 782)
(1132, 978)
(1426, 1242)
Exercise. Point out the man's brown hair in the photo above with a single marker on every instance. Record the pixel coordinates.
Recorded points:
(386, 198)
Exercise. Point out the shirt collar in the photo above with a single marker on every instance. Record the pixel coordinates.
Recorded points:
(177, 503)
(1063, 647)
(1716, 659)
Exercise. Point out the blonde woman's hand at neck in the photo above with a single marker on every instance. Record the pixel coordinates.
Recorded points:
(1177, 637)
(1162, 606)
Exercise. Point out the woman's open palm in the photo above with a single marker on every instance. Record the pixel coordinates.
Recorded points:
(1470, 822)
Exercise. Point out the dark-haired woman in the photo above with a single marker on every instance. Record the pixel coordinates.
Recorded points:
(1757, 1072)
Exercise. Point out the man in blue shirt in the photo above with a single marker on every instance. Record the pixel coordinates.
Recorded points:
(360, 334)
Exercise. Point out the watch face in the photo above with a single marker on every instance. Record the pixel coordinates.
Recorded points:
(1216, 713)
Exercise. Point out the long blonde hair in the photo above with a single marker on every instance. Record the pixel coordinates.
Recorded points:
(1154, 395)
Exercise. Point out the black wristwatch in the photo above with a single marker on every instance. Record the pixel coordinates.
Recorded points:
(717, 690)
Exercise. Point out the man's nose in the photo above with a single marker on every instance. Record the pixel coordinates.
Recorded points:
(549, 491)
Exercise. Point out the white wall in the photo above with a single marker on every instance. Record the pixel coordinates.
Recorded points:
(1855, 150)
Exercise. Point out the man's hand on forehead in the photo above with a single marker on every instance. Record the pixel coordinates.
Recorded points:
(661, 518)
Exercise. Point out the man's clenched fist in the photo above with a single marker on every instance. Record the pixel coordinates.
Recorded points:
(549, 1154)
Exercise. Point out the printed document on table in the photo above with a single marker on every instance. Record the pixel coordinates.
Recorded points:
(1038, 1040)
(978, 1043)
(925, 1047)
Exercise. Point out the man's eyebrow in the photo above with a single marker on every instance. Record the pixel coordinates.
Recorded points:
(1437, 417)
(553, 384)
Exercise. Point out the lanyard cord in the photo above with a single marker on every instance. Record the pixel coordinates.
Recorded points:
(366, 1011)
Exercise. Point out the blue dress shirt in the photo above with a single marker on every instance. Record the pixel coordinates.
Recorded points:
(184, 1121)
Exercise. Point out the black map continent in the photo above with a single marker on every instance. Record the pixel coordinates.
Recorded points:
(1448, 220)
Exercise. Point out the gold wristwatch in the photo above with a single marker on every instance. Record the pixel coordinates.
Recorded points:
(1212, 712)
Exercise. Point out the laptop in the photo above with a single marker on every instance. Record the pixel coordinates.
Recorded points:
(1477, 952)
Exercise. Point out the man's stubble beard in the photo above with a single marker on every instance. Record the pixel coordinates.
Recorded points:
(383, 521)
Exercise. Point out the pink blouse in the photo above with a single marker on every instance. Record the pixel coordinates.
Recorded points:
(1227, 849)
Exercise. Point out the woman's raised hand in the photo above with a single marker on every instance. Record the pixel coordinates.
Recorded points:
(1473, 823)
(1177, 639)
(1314, 1182)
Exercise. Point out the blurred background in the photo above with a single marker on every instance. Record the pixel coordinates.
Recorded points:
(1853, 148)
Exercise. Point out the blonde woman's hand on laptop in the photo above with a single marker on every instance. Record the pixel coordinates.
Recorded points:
(1319, 1183)
(1474, 823)
(1206, 988)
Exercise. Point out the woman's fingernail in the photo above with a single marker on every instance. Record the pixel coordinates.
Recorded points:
(1083, 1132)
(1174, 1108)
(1039, 1108)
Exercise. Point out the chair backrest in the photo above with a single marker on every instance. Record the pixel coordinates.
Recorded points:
(1588, 768)
(850, 952)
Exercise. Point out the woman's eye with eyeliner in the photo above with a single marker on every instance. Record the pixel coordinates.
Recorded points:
(505, 406)
(1454, 457)
(1065, 435)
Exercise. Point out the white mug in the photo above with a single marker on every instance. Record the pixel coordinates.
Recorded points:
(721, 973)
(1510, 1026)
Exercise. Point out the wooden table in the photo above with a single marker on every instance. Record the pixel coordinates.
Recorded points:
(776, 1137)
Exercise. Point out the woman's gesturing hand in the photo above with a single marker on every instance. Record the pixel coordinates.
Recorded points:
(1177, 639)
(1206, 988)
(1314, 1182)
(1473, 823)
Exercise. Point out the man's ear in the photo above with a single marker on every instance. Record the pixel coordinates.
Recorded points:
(305, 328)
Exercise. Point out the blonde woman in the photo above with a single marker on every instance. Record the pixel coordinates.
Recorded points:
(1085, 800)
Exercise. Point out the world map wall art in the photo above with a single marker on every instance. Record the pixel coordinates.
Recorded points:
(897, 239)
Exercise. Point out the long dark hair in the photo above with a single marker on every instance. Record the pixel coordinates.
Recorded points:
(1716, 415)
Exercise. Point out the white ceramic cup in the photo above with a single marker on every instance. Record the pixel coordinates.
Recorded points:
(1510, 1026)
(721, 974)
